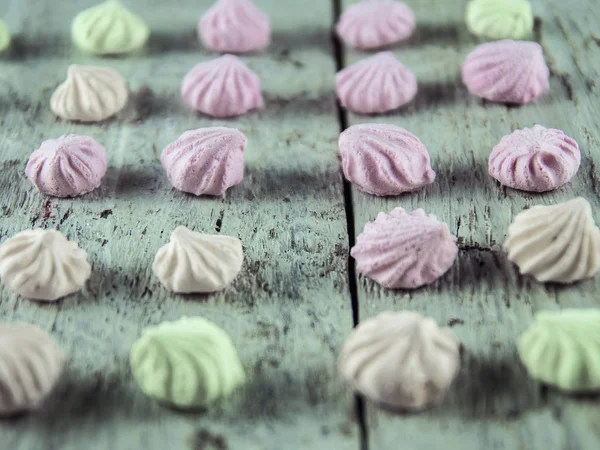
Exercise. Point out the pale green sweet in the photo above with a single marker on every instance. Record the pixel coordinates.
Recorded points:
(109, 29)
(4, 36)
(562, 348)
(187, 363)
(500, 19)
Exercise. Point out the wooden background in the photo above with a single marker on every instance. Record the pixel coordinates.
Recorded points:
(297, 297)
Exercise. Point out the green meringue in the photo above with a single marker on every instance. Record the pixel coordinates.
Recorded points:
(4, 36)
(494, 19)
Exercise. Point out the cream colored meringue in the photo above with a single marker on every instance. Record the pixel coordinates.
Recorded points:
(505, 19)
(5, 37)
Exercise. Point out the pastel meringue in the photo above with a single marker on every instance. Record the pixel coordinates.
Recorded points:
(404, 250)
(31, 365)
(5, 37)
(206, 161)
(400, 360)
(69, 166)
(188, 363)
(222, 87)
(384, 159)
(109, 29)
(372, 24)
(507, 71)
(196, 262)
(43, 265)
(90, 94)
(559, 243)
(376, 85)
(234, 26)
(535, 159)
(506, 19)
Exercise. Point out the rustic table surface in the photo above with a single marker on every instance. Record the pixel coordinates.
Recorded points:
(297, 297)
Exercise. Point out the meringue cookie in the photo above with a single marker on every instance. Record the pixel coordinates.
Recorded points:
(506, 19)
(535, 159)
(4, 36)
(187, 363)
(384, 159)
(43, 265)
(558, 243)
(31, 364)
(373, 24)
(90, 94)
(562, 348)
(68, 166)
(404, 250)
(109, 29)
(234, 26)
(207, 161)
(401, 360)
(507, 72)
(223, 87)
(376, 85)
(196, 262)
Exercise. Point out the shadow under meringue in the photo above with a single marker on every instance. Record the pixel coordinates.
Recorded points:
(307, 37)
(173, 41)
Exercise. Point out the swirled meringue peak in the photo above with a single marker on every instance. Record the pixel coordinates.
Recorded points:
(507, 72)
(373, 24)
(401, 360)
(506, 19)
(376, 85)
(196, 262)
(234, 26)
(5, 37)
(206, 161)
(384, 159)
(43, 265)
(559, 243)
(68, 166)
(222, 87)
(535, 159)
(404, 250)
(109, 29)
(31, 365)
(90, 94)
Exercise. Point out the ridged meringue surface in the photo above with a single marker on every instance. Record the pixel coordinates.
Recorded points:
(559, 243)
(535, 159)
(507, 71)
(234, 26)
(5, 37)
(373, 24)
(506, 19)
(30, 366)
(562, 348)
(187, 363)
(404, 250)
(43, 265)
(206, 161)
(90, 94)
(109, 29)
(222, 87)
(376, 85)
(197, 262)
(384, 159)
(401, 360)
(68, 166)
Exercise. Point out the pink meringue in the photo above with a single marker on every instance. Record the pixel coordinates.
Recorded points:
(68, 166)
(373, 24)
(535, 159)
(384, 159)
(376, 85)
(404, 250)
(507, 71)
(206, 161)
(234, 26)
(223, 87)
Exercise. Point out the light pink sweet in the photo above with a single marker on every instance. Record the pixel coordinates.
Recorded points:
(222, 87)
(234, 26)
(206, 161)
(535, 159)
(373, 24)
(507, 71)
(384, 159)
(404, 250)
(376, 85)
(68, 166)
